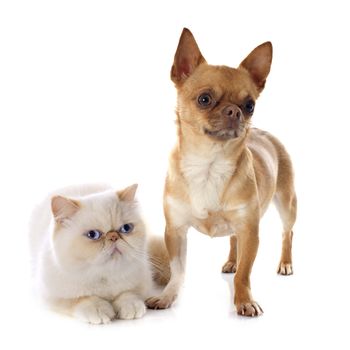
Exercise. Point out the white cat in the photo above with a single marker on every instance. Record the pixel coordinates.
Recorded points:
(90, 254)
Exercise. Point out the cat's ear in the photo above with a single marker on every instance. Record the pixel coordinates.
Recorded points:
(128, 194)
(63, 208)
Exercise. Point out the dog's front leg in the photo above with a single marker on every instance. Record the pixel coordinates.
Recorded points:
(176, 243)
(248, 242)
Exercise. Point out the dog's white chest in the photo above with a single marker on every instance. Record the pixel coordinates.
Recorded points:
(206, 177)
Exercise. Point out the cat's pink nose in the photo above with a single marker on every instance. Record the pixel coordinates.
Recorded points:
(112, 236)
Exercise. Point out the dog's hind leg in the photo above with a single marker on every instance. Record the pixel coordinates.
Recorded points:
(230, 265)
(286, 204)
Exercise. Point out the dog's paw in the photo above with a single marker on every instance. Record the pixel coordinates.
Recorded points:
(285, 269)
(130, 310)
(161, 302)
(250, 309)
(229, 267)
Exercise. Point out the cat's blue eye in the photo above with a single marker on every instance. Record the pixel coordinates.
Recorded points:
(127, 228)
(95, 235)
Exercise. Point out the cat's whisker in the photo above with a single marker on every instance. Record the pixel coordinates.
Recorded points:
(161, 270)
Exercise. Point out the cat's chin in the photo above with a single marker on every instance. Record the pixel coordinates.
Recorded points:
(115, 251)
(112, 253)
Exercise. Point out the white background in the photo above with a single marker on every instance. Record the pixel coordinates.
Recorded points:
(85, 96)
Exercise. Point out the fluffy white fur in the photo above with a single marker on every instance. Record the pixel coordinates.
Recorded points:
(206, 175)
(95, 281)
(206, 172)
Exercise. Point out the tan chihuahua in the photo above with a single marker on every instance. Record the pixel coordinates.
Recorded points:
(223, 174)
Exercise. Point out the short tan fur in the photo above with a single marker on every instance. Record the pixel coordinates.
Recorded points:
(223, 174)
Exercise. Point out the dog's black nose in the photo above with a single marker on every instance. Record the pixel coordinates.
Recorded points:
(232, 111)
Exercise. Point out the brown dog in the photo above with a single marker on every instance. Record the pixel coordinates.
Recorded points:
(223, 174)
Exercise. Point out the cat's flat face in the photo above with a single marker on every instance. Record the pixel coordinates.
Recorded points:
(97, 229)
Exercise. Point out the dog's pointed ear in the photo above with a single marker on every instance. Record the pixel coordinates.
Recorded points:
(258, 64)
(187, 58)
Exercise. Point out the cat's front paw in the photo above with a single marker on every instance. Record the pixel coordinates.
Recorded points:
(130, 309)
(94, 310)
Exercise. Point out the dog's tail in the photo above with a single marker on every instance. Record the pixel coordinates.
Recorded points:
(159, 259)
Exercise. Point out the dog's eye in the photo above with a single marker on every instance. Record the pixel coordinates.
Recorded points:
(95, 235)
(204, 100)
(127, 228)
(249, 106)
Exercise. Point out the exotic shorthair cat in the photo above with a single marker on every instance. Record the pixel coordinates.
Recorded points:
(91, 255)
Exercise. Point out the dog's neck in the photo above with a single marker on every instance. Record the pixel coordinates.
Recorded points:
(195, 142)
(206, 165)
